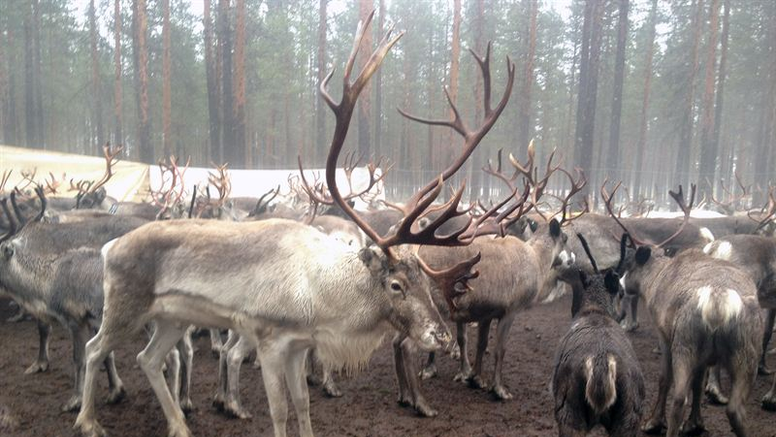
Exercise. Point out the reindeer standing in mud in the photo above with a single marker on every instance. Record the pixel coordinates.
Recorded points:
(597, 377)
(706, 313)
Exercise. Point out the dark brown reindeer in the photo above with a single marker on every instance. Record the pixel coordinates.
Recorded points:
(597, 378)
(501, 293)
(310, 292)
(706, 313)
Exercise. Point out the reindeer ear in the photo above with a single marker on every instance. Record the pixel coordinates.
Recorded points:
(612, 282)
(554, 228)
(642, 255)
(371, 259)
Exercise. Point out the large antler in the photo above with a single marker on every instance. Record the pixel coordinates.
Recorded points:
(221, 182)
(576, 186)
(530, 172)
(729, 205)
(608, 198)
(172, 195)
(111, 158)
(419, 203)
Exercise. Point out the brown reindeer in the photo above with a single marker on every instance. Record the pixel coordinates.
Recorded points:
(597, 377)
(706, 313)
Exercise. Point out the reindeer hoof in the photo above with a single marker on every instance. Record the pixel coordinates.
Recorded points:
(715, 396)
(116, 395)
(476, 381)
(769, 401)
(331, 390)
(462, 376)
(218, 402)
(89, 428)
(693, 427)
(762, 369)
(455, 352)
(631, 327)
(425, 411)
(654, 426)
(234, 409)
(73, 404)
(428, 372)
(180, 430)
(37, 367)
(186, 406)
(313, 379)
(501, 393)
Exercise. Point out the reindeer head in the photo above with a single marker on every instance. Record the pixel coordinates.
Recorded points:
(592, 290)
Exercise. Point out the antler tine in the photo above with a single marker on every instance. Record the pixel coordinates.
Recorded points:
(687, 209)
(768, 211)
(4, 180)
(29, 177)
(588, 252)
(17, 211)
(111, 158)
(607, 198)
(12, 226)
(576, 187)
(510, 181)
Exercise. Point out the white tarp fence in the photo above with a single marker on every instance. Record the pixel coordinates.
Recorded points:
(132, 181)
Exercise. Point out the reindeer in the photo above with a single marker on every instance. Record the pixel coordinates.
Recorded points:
(49, 240)
(755, 255)
(285, 286)
(706, 313)
(597, 377)
(501, 293)
(64, 287)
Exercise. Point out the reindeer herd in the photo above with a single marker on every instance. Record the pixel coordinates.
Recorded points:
(303, 279)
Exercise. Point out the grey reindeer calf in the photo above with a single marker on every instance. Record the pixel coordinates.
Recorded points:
(597, 378)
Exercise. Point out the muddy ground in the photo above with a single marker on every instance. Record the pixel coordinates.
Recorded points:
(368, 407)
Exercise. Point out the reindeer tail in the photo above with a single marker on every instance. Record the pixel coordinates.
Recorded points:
(718, 307)
(600, 387)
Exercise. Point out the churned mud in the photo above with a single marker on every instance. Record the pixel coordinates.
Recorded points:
(368, 407)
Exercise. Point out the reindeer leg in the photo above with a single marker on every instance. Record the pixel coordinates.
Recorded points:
(475, 377)
(166, 335)
(683, 373)
(186, 352)
(770, 315)
(743, 376)
(405, 398)
(429, 370)
(42, 363)
(220, 397)
(215, 342)
(111, 334)
(465, 368)
(329, 386)
(116, 387)
(769, 400)
(713, 388)
(656, 422)
(80, 335)
(694, 425)
(297, 386)
(234, 359)
(413, 381)
(502, 332)
(274, 359)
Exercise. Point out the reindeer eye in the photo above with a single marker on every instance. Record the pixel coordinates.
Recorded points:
(395, 286)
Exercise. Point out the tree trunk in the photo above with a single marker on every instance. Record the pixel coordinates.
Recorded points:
(364, 136)
(96, 82)
(379, 85)
(213, 95)
(166, 81)
(320, 107)
(524, 123)
(592, 30)
(38, 78)
(708, 146)
(117, 91)
(141, 80)
(429, 91)
(31, 139)
(227, 108)
(682, 174)
(724, 151)
(642, 144)
(239, 84)
(613, 155)
(475, 174)
(454, 72)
